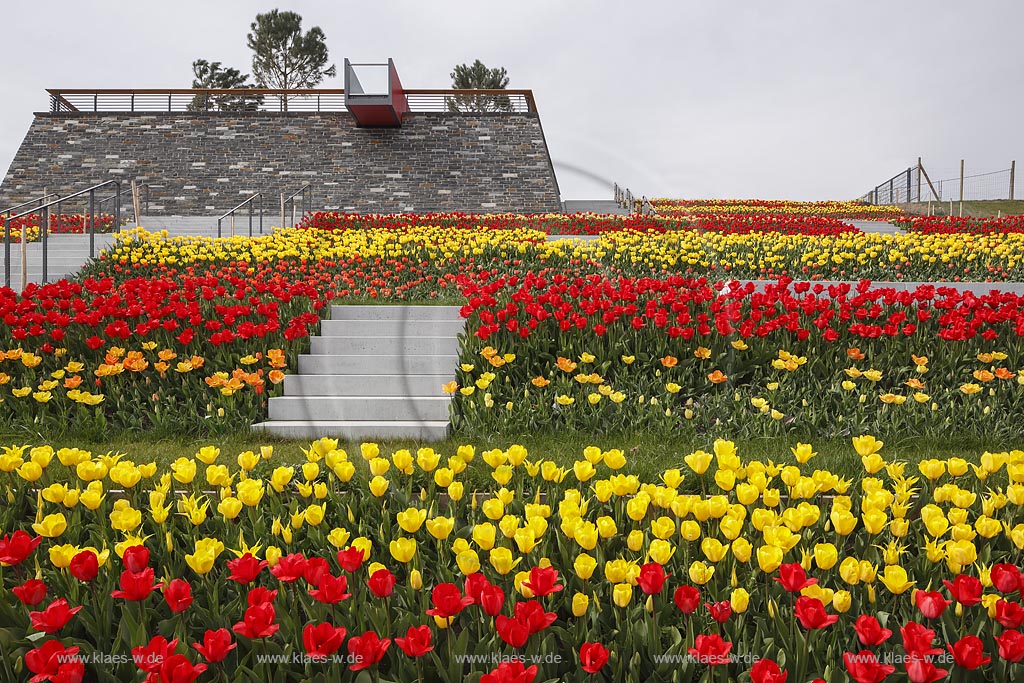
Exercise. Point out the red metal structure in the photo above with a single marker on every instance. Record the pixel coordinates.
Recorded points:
(374, 94)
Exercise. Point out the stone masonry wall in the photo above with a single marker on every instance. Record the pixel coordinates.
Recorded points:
(201, 164)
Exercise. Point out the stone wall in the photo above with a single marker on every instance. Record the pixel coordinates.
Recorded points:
(206, 163)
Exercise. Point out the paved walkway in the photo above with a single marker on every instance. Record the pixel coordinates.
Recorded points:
(881, 227)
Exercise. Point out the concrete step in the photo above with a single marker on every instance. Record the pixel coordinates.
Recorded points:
(396, 327)
(365, 385)
(606, 206)
(356, 430)
(311, 364)
(380, 408)
(395, 313)
(396, 346)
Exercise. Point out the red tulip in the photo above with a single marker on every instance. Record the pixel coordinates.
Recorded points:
(52, 619)
(245, 569)
(331, 590)
(543, 581)
(864, 667)
(869, 631)
(69, 671)
(965, 589)
(1005, 577)
(260, 595)
(136, 586)
(47, 660)
(514, 632)
(917, 640)
(447, 601)
(84, 566)
(151, 656)
(30, 593)
(969, 652)
(177, 669)
(922, 670)
(492, 599)
(417, 641)
(15, 548)
(322, 640)
(475, 583)
(178, 594)
(381, 583)
(812, 615)
(1009, 614)
(216, 645)
(290, 568)
(793, 578)
(720, 611)
(593, 657)
(350, 558)
(511, 672)
(931, 603)
(315, 568)
(1011, 645)
(367, 649)
(767, 671)
(532, 614)
(135, 558)
(258, 622)
(710, 650)
(652, 578)
(687, 599)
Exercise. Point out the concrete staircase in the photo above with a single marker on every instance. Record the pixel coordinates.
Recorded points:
(66, 254)
(203, 226)
(374, 372)
(593, 206)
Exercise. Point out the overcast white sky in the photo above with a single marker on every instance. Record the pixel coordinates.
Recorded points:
(802, 99)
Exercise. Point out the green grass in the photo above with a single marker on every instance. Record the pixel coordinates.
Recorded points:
(974, 209)
(647, 455)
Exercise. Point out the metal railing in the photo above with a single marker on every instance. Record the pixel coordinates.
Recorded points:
(72, 100)
(289, 203)
(44, 224)
(9, 211)
(627, 200)
(143, 197)
(250, 204)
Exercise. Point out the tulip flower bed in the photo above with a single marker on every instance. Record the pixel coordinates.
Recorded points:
(952, 225)
(160, 353)
(59, 224)
(605, 355)
(385, 567)
(832, 209)
(553, 224)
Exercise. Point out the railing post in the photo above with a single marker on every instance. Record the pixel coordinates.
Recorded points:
(218, 226)
(7, 252)
(250, 218)
(43, 233)
(261, 213)
(117, 208)
(1013, 169)
(92, 224)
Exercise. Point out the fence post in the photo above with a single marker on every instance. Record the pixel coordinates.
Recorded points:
(7, 252)
(282, 210)
(1013, 169)
(908, 185)
(961, 187)
(919, 179)
(92, 223)
(44, 229)
(135, 201)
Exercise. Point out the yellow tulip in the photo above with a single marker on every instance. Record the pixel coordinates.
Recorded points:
(403, 549)
(739, 600)
(622, 594)
(468, 561)
(580, 603)
(895, 579)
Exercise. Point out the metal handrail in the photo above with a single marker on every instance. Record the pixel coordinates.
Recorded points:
(31, 201)
(421, 100)
(307, 203)
(232, 212)
(44, 224)
(128, 190)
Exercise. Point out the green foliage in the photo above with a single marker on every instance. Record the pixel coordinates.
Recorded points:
(213, 76)
(477, 76)
(283, 56)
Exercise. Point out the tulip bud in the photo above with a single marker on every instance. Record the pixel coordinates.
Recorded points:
(649, 605)
(415, 580)
(580, 602)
